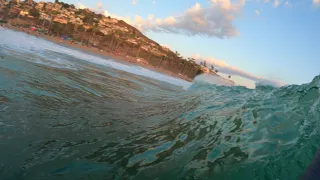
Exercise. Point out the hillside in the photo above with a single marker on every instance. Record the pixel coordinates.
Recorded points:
(96, 30)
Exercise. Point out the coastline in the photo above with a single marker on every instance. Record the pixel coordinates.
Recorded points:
(96, 51)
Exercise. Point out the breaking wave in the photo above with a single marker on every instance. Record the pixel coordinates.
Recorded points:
(65, 114)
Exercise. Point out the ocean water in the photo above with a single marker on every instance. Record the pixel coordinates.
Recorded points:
(65, 114)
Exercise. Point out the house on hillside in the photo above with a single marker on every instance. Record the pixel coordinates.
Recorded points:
(106, 31)
(24, 13)
(60, 19)
(165, 48)
(56, 7)
(76, 20)
(205, 69)
(45, 16)
(15, 11)
(40, 5)
(2, 3)
(49, 6)
(132, 41)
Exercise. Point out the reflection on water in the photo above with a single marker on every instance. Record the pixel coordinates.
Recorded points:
(67, 117)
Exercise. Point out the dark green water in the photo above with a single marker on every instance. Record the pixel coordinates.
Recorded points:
(69, 115)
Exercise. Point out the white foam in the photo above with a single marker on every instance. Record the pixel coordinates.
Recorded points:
(25, 43)
(213, 79)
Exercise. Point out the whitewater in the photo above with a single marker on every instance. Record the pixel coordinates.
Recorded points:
(66, 114)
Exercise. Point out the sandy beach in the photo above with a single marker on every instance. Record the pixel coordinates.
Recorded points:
(97, 51)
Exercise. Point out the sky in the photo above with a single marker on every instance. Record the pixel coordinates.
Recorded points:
(269, 41)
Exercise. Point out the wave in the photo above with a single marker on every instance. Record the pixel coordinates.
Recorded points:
(79, 116)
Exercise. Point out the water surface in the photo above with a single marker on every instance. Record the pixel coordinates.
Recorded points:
(65, 114)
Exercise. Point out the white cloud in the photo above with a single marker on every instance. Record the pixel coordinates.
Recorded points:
(134, 2)
(170, 20)
(159, 21)
(257, 12)
(316, 2)
(127, 19)
(276, 3)
(99, 5)
(266, 1)
(224, 67)
(223, 3)
(81, 6)
(213, 21)
(150, 17)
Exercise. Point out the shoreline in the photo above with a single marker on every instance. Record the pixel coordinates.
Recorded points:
(96, 51)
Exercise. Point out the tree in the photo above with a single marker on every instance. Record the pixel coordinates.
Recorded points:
(34, 12)
(216, 70)
(212, 68)
(229, 77)
(88, 19)
(178, 54)
(205, 64)
(56, 1)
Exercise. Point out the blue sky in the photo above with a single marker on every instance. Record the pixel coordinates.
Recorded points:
(274, 40)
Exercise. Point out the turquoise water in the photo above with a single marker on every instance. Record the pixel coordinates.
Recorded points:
(65, 114)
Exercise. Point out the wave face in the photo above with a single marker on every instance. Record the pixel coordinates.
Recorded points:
(65, 114)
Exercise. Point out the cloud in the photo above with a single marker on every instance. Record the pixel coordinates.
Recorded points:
(81, 6)
(134, 2)
(224, 67)
(266, 1)
(150, 17)
(288, 4)
(276, 3)
(316, 2)
(127, 19)
(170, 20)
(159, 21)
(213, 21)
(154, 2)
(99, 5)
(257, 12)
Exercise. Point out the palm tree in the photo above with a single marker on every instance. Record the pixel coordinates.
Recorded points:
(212, 68)
(94, 30)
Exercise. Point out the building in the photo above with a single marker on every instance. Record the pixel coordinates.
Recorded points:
(76, 21)
(106, 31)
(56, 7)
(15, 11)
(24, 13)
(165, 48)
(60, 19)
(49, 6)
(40, 5)
(45, 16)
(132, 41)
(2, 3)
(205, 69)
